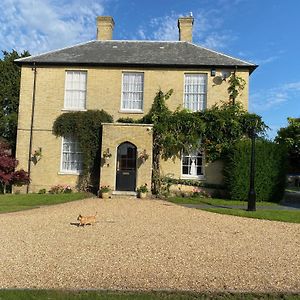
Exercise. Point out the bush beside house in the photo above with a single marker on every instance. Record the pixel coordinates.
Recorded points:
(270, 170)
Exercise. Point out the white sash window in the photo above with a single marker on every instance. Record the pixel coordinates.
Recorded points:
(195, 91)
(192, 165)
(132, 91)
(75, 90)
(71, 157)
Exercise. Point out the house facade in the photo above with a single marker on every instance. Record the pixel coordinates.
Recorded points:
(122, 78)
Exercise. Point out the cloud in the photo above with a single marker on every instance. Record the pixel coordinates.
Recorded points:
(40, 26)
(207, 29)
(274, 97)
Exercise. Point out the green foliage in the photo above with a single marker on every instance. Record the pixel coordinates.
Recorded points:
(216, 130)
(224, 125)
(270, 172)
(290, 136)
(191, 182)
(10, 75)
(143, 188)
(236, 85)
(86, 127)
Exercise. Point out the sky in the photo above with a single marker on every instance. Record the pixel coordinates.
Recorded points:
(265, 32)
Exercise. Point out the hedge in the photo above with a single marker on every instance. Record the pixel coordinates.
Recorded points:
(270, 170)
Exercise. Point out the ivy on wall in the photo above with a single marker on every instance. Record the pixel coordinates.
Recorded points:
(86, 127)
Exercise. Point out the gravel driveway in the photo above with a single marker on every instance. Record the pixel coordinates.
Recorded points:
(146, 244)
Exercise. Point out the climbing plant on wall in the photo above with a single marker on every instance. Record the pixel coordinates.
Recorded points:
(218, 128)
(86, 127)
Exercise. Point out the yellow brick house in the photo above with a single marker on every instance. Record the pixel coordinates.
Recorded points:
(122, 78)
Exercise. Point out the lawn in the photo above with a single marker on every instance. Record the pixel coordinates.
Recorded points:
(214, 205)
(107, 295)
(13, 202)
(217, 202)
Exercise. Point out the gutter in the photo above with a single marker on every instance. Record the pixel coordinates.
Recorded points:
(31, 124)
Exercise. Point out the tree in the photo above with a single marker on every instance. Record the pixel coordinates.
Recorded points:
(290, 136)
(9, 96)
(8, 164)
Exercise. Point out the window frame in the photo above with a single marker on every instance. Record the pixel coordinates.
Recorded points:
(62, 170)
(65, 108)
(205, 94)
(188, 176)
(128, 110)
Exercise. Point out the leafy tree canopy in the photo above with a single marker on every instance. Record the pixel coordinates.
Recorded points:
(8, 174)
(290, 136)
(9, 95)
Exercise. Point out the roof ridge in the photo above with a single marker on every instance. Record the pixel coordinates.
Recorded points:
(53, 51)
(220, 53)
(139, 41)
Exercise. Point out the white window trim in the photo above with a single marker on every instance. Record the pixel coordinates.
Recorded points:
(61, 170)
(197, 177)
(126, 110)
(195, 73)
(65, 108)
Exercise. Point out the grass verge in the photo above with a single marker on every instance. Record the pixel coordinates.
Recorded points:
(12, 202)
(272, 214)
(290, 216)
(107, 295)
(217, 202)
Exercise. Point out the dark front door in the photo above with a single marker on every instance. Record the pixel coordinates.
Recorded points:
(126, 167)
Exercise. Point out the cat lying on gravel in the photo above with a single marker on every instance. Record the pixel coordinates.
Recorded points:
(86, 220)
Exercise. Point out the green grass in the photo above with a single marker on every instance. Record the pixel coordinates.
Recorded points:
(107, 295)
(292, 216)
(13, 202)
(216, 202)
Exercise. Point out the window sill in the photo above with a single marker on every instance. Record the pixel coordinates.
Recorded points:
(131, 111)
(74, 109)
(200, 177)
(68, 173)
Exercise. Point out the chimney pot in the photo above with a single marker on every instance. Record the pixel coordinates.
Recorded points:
(185, 26)
(105, 27)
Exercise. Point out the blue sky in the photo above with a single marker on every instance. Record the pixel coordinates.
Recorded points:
(265, 32)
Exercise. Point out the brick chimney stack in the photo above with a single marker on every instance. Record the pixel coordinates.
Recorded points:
(185, 26)
(105, 27)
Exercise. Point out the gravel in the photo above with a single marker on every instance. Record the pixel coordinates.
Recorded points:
(147, 245)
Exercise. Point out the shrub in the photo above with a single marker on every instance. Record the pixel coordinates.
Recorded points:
(104, 189)
(42, 191)
(143, 188)
(270, 170)
(60, 189)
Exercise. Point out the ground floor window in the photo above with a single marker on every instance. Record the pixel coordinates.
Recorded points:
(71, 156)
(192, 165)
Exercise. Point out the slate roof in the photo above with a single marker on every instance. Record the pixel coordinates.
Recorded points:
(137, 53)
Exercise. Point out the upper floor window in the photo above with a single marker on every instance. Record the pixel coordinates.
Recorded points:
(192, 165)
(132, 91)
(75, 90)
(195, 91)
(71, 156)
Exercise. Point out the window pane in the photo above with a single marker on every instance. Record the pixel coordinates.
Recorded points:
(195, 91)
(192, 164)
(133, 90)
(71, 155)
(75, 89)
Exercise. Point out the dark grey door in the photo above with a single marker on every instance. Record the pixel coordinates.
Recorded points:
(126, 167)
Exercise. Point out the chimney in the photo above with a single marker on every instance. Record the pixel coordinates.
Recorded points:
(105, 27)
(185, 26)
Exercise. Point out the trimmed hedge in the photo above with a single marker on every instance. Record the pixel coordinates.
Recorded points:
(270, 170)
